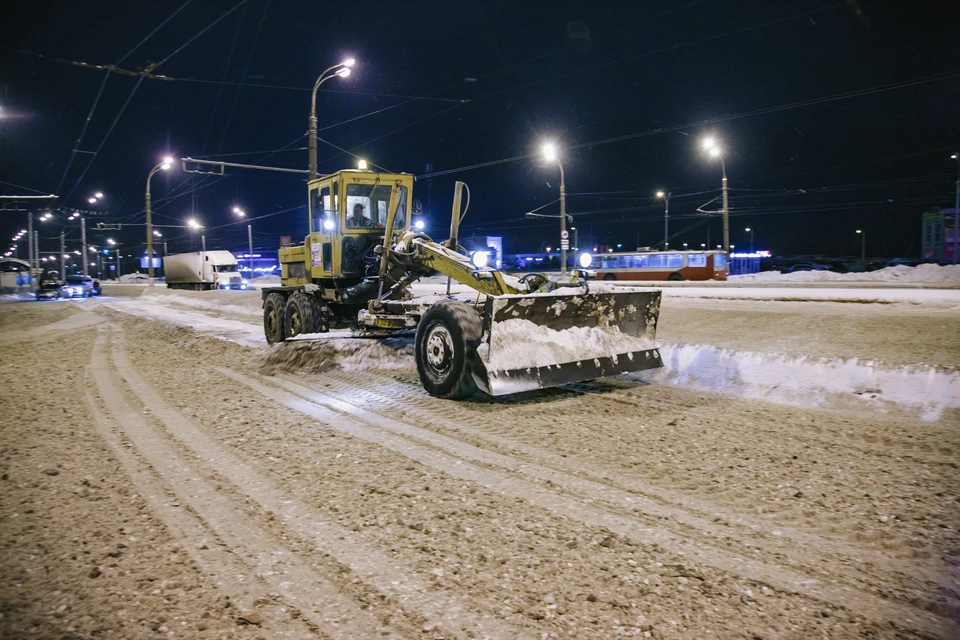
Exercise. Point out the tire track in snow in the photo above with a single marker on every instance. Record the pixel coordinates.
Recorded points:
(394, 435)
(80, 320)
(630, 496)
(319, 602)
(207, 551)
(373, 567)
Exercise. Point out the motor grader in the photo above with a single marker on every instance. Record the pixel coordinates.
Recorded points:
(356, 267)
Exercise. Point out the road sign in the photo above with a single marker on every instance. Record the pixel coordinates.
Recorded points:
(564, 234)
(564, 244)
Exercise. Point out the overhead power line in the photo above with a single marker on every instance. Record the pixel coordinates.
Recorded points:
(710, 121)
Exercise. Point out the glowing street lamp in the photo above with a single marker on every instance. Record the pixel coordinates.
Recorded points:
(339, 70)
(164, 165)
(713, 149)
(550, 154)
(240, 212)
(196, 226)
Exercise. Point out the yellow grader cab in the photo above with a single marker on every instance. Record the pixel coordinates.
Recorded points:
(355, 268)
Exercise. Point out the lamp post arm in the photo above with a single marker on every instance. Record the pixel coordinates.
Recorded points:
(312, 122)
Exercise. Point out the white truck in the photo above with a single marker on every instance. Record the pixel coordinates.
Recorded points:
(202, 270)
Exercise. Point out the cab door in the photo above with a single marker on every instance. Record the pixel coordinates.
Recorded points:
(325, 223)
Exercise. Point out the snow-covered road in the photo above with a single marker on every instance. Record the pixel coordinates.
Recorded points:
(790, 473)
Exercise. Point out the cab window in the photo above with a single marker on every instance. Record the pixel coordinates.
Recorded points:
(367, 206)
(719, 261)
(324, 208)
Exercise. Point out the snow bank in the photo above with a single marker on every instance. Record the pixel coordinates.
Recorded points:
(807, 382)
(242, 333)
(240, 303)
(133, 277)
(518, 344)
(931, 273)
(333, 351)
(933, 297)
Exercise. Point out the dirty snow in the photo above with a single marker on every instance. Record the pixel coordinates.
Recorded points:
(518, 343)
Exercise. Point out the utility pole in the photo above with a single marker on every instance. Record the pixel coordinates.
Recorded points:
(36, 249)
(30, 245)
(250, 247)
(63, 264)
(83, 241)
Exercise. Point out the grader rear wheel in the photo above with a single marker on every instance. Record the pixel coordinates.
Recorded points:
(302, 314)
(273, 318)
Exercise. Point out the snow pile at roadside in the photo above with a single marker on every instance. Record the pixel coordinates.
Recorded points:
(807, 382)
(17, 297)
(133, 278)
(269, 280)
(931, 273)
(337, 352)
(518, 343)
(228, 302)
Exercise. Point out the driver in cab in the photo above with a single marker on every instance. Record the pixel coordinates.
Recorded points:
(359, 221)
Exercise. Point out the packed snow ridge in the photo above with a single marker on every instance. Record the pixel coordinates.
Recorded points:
(922, 273)
(519, 344)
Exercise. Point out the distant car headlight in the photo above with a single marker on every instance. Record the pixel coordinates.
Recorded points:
(479, 259)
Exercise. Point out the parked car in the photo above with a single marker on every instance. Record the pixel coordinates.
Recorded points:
(51, 287)
(901, 262)
(79, 286)
(808, 266)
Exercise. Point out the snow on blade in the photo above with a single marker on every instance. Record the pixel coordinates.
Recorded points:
(807, 382)
(518, 344)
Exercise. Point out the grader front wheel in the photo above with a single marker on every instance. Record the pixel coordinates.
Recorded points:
(446, 346)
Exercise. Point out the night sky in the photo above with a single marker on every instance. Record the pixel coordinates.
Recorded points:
(834, 115)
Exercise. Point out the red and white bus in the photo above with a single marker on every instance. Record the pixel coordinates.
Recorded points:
(658, 265)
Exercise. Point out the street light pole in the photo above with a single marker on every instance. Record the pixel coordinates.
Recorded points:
(863, 246)
(726, 208)
(250, 247)
(563, 222)
(342, 71)
(163, 166)
(666, 218)
(956, 211)
(710, 144)
(83, 242)
(550, 154)
(750, 229)
(63, 264)
(31, 254)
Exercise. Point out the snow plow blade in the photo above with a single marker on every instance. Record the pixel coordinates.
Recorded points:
(537, 341)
